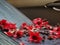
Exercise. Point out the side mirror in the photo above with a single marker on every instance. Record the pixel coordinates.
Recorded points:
(54, 5)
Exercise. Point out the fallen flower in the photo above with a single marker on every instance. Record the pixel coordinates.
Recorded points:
(3, 22)
(21, 43)
(35, 37)
(18, 34)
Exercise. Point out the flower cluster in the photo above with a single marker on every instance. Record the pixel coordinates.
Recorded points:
(34, 32)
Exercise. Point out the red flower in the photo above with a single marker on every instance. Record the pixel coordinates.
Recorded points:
(18, 34)
(58, 29)
(51, 31)
(3, 22)
(38, 26)
(35, 37)
(45, 23)
(54, 36)
(12, 26)
(30, 27)
(21, 43)
(58, 34)
(9, 34)
(9, 26)
(24, 25)
(37, 21)
(33, 28)
(6, 26)
(48, 27)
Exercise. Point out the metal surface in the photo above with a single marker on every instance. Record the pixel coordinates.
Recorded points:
(5, 40)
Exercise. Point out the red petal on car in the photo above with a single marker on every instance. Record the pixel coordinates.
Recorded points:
(35, 37)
